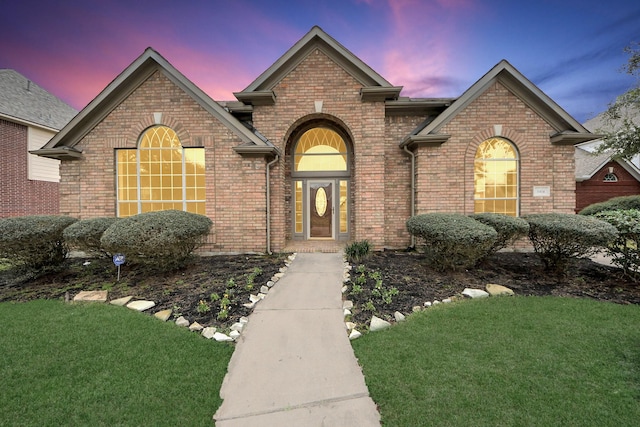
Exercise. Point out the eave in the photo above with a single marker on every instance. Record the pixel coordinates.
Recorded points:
(250, 150)
(573, 138)
(430, 140)
(58, 153)
(408, 106)
(265, 97)
(378, 93)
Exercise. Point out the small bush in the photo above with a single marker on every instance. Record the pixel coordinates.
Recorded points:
(164, 239)
(34, 241)
(85, 235)
(559, 237)
(357, 251)
(625, 250)
(452, 241)
(509, 229)
(614, 204)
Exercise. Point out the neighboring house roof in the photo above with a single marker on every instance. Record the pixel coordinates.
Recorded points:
(567, 129)
(62, 146)
(25, 101)
(588, 162)
(375, 87)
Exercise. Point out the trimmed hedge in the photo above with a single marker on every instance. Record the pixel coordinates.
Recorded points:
(625, 250)
(559, 237)
(34, 241)
(614, 204)
(85, 235)
(163, 238)
(452, 241)
(509, 228)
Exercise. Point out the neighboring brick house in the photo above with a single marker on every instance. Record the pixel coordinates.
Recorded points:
(599, 176)
(29, 118)
(319, 148)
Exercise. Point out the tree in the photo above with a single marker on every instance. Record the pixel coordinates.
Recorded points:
(622, 118)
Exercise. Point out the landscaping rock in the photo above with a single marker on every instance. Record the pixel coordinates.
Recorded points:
(195, 327)
(354, 334)
(345, 289)
(347, 304)
(238, 326)
(447, 300)
(234, 335)
(220, 337)
(346, 312)
(270, 283)
(249, 305)
(141, 305)
(474, 293)
(378, 324)
(243, 320)
(350, 325)
(399, 316)
(181, 321)
(498, 290)
(91, 296)
(163, 315)
(254, 298)
(208, 332)
(427, 304)
(121, 301)
(416, 308)
(436, 302)
(264, 289)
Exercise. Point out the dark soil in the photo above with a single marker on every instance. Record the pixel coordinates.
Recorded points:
(188, 291)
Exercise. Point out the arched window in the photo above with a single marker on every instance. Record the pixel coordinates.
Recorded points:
(160, 174)
(320, 149)
(610, 177)
(496, 172)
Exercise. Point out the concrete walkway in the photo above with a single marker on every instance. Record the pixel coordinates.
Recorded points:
(294, 365)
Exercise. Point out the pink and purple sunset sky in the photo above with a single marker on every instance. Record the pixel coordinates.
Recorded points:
(571, 49)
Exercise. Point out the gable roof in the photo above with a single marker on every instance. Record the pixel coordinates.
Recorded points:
(567, 129)
(375, 87)
(23, 100)
(62, 146)
(589, 163)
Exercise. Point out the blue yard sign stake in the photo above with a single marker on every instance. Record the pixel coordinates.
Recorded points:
(118, 260)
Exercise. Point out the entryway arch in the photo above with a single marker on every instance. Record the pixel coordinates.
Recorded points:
(319, 160)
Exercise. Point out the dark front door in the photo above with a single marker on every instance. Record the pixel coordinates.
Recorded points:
(321, 209)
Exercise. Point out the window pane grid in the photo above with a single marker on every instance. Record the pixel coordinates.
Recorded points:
(496, 178)
(154, 177)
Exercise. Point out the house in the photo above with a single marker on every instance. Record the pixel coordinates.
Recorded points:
(318, 150)
(29, 117)
(600, 176)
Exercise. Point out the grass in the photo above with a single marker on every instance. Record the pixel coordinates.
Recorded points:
(101, 365)
(508, 362)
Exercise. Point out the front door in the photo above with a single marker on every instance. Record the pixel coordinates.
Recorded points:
(321, 209)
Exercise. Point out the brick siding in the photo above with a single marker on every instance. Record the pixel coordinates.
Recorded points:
(595, 190)
(19, 195)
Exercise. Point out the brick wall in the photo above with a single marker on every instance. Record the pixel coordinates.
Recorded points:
(20, 196)
(445, 174)
(318, 78)
(595, 190)
(235, 186)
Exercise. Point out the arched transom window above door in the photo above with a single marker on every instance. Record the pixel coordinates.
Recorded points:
(496, 177)
(320, 150)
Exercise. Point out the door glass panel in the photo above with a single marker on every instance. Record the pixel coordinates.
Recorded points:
(298, 207)
(343, 207)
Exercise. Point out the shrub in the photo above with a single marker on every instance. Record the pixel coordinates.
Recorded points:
(357, 251)
(164, 239)
(34, 241)
(625, 250)
(559, 237)
(614, 204)
(509, 229)
(85, 235)
(452, 241)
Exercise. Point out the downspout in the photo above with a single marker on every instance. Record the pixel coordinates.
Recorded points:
(271, 163)
(413, 189)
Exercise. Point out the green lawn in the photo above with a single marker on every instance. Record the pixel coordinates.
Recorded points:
(520, 361)
(101, 365)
